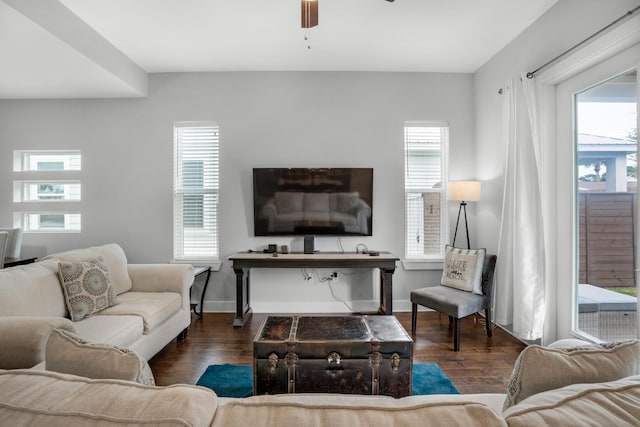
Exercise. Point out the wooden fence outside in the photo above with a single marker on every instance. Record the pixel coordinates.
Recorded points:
(606, 247)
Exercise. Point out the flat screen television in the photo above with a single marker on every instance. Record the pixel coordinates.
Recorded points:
(312, 201)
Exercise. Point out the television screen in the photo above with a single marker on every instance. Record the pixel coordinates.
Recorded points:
(312, 201)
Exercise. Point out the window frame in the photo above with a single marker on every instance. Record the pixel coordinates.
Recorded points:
(31, 206)
(205, 187)
(413, 261)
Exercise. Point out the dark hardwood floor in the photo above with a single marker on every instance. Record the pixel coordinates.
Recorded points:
(483, 365)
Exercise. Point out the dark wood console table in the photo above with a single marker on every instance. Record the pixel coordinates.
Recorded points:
(12, 262)
(243, 262)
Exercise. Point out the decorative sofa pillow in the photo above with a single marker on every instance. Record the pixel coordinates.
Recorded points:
(114, 258)
(539, 369)
(613, 403)
(86, 286)
(344, 202)
(463, 269)
(67, 353)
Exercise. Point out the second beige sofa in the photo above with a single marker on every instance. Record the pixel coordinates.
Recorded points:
(153, 305)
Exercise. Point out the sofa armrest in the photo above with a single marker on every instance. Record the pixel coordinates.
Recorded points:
(362, 213)
(161, 277)
(269, 210)
(23, 339)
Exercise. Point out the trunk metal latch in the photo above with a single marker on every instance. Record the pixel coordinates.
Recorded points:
(334, 358)
(273, 362)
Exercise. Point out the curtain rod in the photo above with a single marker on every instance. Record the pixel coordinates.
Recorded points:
(530, 74)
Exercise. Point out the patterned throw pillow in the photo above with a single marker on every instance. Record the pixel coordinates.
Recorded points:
(463, 269)
(69, 354)
(86, 286)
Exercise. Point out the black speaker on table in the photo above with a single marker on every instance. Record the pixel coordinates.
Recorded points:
(309, 244)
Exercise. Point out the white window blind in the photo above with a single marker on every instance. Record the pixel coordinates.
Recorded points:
(196, 185)
(426, 149)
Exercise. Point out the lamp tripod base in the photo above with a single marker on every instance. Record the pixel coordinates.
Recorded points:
(463, 207)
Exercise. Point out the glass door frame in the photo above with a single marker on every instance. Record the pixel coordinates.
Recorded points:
(567, 181)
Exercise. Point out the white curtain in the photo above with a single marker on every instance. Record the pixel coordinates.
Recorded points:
(520, 288)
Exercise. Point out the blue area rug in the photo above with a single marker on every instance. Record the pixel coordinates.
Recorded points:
(237, 380)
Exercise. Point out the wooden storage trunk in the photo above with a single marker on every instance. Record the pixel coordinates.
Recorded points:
(332, 354)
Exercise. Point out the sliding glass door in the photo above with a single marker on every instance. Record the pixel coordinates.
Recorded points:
(605, 144)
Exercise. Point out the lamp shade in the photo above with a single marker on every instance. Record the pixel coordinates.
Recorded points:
(467, 191)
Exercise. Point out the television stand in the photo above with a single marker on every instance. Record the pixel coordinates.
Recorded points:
(243, 262)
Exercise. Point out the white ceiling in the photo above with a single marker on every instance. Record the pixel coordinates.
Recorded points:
(47, 52)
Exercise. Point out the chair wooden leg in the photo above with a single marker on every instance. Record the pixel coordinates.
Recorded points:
(456, 334)
(414, 316)
(487, 313)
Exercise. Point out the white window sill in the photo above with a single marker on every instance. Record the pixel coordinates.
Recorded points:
(214, 264)
(423, 264)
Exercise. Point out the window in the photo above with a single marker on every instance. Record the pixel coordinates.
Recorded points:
(48, 200)
(55, 160)
(426, 149)
(50, 221)
(195, 196)
(40, 191)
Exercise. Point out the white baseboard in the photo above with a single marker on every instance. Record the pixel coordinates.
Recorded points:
(365, 306)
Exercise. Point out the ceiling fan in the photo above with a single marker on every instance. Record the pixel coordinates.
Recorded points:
(310, 17)
(310, 13)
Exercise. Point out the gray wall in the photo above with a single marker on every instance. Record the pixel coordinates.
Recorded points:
(266, 119)
(563, 26)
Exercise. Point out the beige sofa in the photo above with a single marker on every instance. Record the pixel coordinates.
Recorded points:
(34, 398)
(557, 386)
(290, 209)
(153, 306)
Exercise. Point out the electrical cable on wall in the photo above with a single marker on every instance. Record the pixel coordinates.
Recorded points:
(361, 248)
(338, 299)
(305, 275)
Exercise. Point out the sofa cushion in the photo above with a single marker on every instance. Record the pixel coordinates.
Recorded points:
(32, 290)
(316, 202)
(86, 286)
(51, 399)
(353, 411)
(114, 257)
(345, 219)
(153, 307)
(117, 330)
(615, 403)
(463, 269)
(316, 216)
(344, 202)
(288, 202)
(539, 369)
(69, 354)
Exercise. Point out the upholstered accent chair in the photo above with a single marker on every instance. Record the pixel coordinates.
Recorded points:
(457, 303)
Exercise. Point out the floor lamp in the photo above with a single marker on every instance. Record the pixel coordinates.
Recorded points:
(464, 191)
